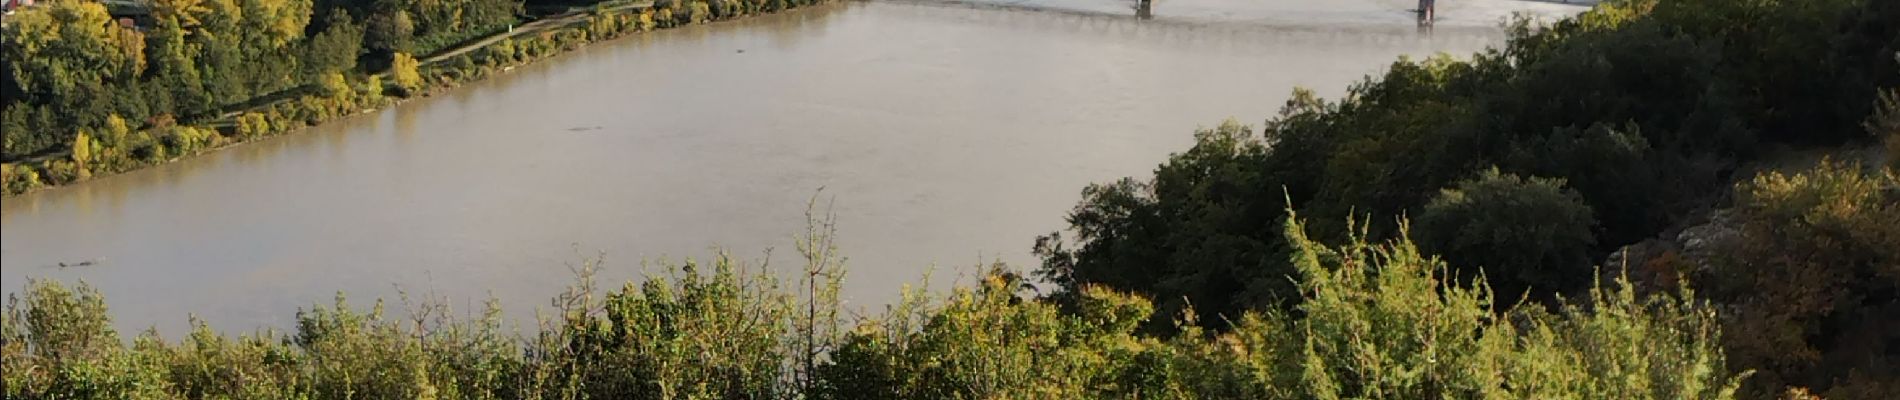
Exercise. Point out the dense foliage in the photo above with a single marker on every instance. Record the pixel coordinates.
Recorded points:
(1536, 160)
(1812, 280)
(1523, 230)
(70, 67)
(1379, 321)
(82, 92)
(1642, 108)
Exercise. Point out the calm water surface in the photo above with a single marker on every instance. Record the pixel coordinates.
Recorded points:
(947, 135)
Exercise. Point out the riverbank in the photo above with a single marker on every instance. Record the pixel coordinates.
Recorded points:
(335, 96)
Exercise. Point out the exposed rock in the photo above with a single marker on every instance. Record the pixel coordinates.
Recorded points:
(1636, 254)
(1659, 264)
(1650, 265)
(1702, 242)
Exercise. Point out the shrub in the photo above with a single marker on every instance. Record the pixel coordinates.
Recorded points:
(59, 343)
(1379, 320)
(357, 354)
(59, 172)
(206, 364)
(500, 53)
(602, 26)
(987, 342)
(278, 120)
(402, 70)
(698, 11)
(185, 140)
(81, 152)
(1205, 206)
(1633, 191)
(1813, 278)
(694, 336)
(1383, 321)
(647, 18)
(1884, 125)
(251, 125)
(372, 92)
(18, 179)
(115, 132)
(333, 84)
(569, 40)
(144, 148)
(314, 109)
(1530, 234)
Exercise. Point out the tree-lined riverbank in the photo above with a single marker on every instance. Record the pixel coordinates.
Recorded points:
(87, 95)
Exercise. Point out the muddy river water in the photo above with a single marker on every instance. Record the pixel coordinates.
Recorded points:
(947, 135)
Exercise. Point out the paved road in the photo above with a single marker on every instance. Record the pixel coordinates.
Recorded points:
(537, 26)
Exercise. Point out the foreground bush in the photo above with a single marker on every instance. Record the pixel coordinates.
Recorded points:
(1378, 320)
(1813, 280)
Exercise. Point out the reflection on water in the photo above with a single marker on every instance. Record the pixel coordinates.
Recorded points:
(947, 135)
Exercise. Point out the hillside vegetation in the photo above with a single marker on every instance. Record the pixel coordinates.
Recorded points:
(1378, 321)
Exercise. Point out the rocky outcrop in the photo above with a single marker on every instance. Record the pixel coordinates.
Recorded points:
(1713, 237)
(1659, 264)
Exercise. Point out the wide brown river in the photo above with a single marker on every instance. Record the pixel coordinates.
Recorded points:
(948, 136)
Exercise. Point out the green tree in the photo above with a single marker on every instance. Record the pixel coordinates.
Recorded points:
(336, 48)
(1632, 189)
(1205, 207)
(1529, 234)
(388, 32)
(174, 70)
(221, 61)
(116, 131)
(65, 56)
(334, 85)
